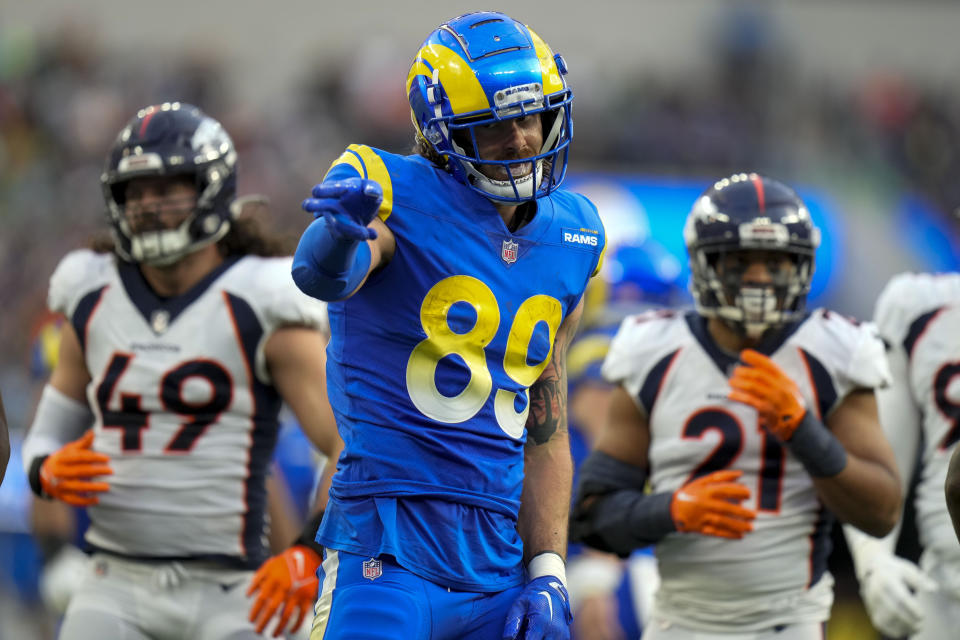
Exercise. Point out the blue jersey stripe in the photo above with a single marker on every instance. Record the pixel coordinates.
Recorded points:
(84, 312)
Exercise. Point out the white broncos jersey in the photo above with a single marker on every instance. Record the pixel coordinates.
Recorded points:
(183, 401)
(918, 316)
(678, 377)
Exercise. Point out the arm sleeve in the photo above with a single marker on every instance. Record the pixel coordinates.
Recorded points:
(611, 510)
(59, 419)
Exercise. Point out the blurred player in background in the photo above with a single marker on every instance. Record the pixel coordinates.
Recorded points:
(459, 274)
(917, 316)
(755, 422)
(612, 597)
(184, 335)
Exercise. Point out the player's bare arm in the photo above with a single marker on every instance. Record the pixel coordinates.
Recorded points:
(866, 493)
(70, 376)
(296, 359)
(382, 247)
(548, 468)
(626, 432)
(952, 489)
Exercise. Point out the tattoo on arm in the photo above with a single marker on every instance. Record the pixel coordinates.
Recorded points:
(548, 395)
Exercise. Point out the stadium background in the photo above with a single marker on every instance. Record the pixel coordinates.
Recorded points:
(854, 101)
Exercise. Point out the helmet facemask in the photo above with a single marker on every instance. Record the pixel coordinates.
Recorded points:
(523, 178)
(751, 308)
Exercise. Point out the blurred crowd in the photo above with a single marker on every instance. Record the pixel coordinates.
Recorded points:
(62, 99)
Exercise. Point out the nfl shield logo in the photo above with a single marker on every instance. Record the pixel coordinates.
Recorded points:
(372, 569)
(509, 251)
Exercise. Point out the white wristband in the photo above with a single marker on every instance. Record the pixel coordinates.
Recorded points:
(547, 563)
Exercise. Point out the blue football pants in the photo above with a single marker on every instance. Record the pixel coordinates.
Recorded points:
(363, 598)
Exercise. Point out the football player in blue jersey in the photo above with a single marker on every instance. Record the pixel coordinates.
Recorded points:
(455, 277)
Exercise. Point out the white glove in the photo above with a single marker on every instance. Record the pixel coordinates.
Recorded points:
(890, 588)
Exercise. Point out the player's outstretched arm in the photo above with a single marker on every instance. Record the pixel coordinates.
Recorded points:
(4, 442)
(345, 242)
(849, 459)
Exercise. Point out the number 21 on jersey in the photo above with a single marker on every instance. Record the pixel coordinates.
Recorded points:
(442, 341)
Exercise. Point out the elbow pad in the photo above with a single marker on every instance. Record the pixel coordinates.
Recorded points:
(611, 511)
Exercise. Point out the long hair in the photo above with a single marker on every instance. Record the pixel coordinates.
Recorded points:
(423, 148)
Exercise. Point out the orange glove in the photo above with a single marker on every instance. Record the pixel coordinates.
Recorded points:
(711, 506)
(290, 579)
(66, 474)
(765, 387)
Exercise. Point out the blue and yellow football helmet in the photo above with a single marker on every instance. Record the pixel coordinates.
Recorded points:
(480, 69)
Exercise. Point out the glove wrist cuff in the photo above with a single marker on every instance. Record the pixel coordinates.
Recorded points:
(821, 454)
(547, 563)
(33, 475)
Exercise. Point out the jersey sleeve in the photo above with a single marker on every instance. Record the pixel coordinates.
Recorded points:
(902, 311)
(78, 273)
(867, 367)
(365, 162)
(283, 304)
(641, 351)
(279, 303)
(597, 223)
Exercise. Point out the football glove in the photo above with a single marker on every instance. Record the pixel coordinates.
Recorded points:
(765, 387)
(890, 588)
(710, 505)
(348, 206)
(288, 579)
(67, 474)
(541, 612)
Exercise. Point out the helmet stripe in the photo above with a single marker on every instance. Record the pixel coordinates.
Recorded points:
(552, 80)
(459, 81)
(369, 165)
(146, 121)
(761, 198)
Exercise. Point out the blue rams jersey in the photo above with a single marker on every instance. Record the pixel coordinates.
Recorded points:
(429, 365)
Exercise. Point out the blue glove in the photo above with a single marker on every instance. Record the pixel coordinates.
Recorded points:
(541, 612)
(348, 206)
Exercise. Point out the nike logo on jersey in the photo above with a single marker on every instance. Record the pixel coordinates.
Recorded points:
(225, 587)
(582, 237)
